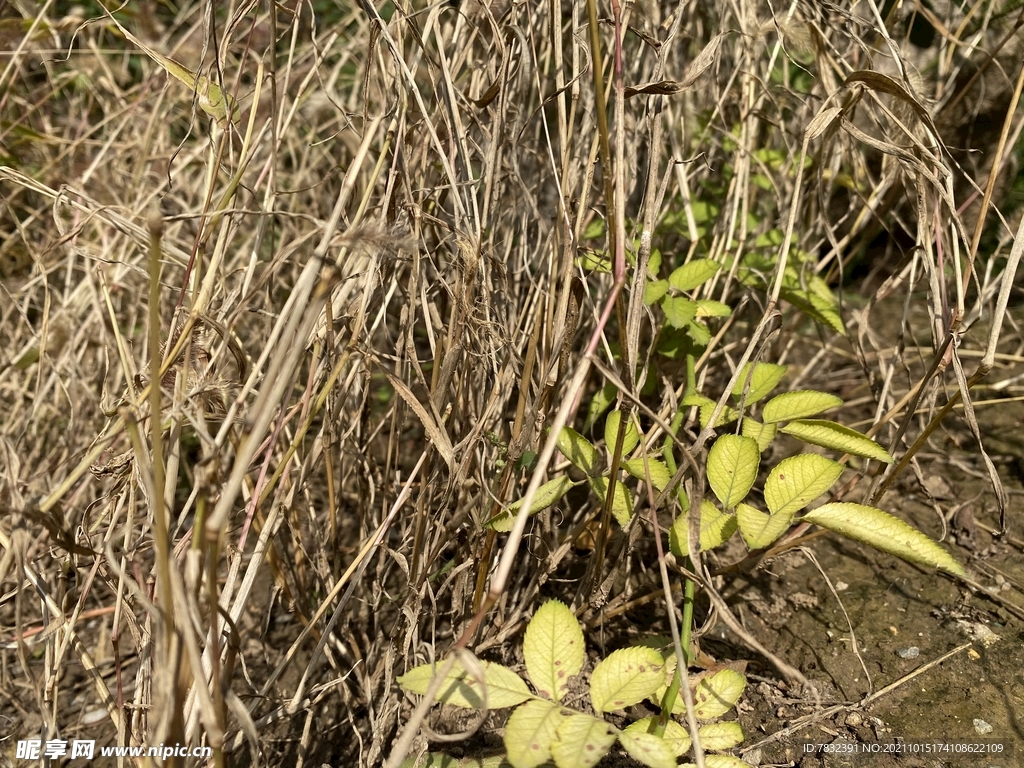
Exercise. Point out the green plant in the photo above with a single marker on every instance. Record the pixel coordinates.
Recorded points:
(544, 728)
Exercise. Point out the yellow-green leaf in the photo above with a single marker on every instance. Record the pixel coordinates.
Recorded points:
(712, 308)
(829, 434)
(660, 474)
(546, 495)
(654, 290)
(648, 749)
(716, 694)
(675, 735)
(795, 482)
(732, 468)
(582, 741)
(600, 403)
(679, 311)
(625, 677)
(553, 649)
(577, 449)
(622, 504)
(800, 404)
(504, 688)
(719, 761)
(765, 377)
(759, 529)
(727, 416)
(212, 100)
(716, 527)
(884, 532)
(611, 433)
(530, 731)
(763, 434)
(693, 274)
(721, 736)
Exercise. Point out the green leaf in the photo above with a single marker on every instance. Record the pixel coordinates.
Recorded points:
(798, 405)
(679, 310)
(727, 416)
(582, 741)
(711, 308)
(765, 378)
(654, 290)
(530, 731)
(699, 333)
(622, 504)
(815, 306)
(648, 749)
(829, 434)
(719, 761)
(546, 495)
(577, 449)
(795, 482)
(626, 677)
(884, 532)
(721, 736)
(693, 274)
(732, 468)
(758, 529)
(675, 735)
(716, 694)
(212, 100)
(461, 689)
(716, 527)
(763, 434)
(611, 433)
(602, 402)
(660, 474)
(553, 649)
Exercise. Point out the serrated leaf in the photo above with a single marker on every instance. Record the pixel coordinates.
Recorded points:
(582, 741)
(732, 468)
(727, 416)
(882, 531)
(530, 731)
(648, 749)
(622, 504)
(762, 434)
(625, 677)
(716, 694)
(795, 482)
(577, 449)
(693, 274)
(712, 308)
(829, 434)
(675, 735)
(699, 333)
(611, 433)
(600, 403)
(660, 474)
(817, 307)
(798, 405)
(461, 689)
(553, 649)
(654, 290)
(716, 527)
(758, 529)
(721, 736)
(765, 377)
(719, 761)
(546, 495)
(679, 310)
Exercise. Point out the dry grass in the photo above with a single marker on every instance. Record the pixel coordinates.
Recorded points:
(371, 307)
